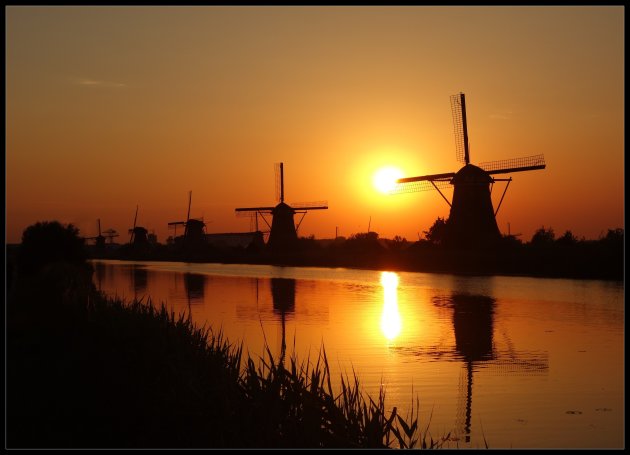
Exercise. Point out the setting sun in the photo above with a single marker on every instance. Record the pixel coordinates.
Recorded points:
(385, 179)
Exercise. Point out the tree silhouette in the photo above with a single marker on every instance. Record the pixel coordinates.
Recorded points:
(436, 232)
(567, 239)
(48, 242)
(543, 237)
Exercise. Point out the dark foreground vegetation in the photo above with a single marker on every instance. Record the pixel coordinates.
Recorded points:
(86, 371)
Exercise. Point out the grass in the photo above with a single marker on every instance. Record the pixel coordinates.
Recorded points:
(85, 370)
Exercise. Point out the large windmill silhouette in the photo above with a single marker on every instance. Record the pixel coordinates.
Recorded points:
(282, 230)
(472, 218)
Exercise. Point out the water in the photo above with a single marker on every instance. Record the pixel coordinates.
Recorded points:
(521, 362)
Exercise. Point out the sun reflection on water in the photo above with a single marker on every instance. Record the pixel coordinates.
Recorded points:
(391, 324)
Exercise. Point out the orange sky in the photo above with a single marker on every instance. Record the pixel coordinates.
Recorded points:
(112, 107)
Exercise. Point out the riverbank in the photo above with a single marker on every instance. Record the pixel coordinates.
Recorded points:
(85, 371)
(596, 260)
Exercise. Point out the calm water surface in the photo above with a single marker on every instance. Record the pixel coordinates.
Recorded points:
(521, 362)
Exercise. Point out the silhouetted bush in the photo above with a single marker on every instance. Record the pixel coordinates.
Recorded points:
(49, 242)
(567, 239)
(543, 237)
(436, 232)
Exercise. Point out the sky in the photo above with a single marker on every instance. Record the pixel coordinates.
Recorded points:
(112, 108)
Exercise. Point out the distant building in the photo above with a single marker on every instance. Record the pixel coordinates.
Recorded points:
(236, 240)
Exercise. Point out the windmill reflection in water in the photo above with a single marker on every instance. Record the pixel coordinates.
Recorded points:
(139, 280)
(194, 283)
(475, 346)
(283, 297)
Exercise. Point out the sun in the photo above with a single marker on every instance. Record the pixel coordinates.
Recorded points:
(385, 178)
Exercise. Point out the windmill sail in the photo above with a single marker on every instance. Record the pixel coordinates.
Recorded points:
(420, 185)
(527, 163)
(317, 205)
(279, 168)
(458, 108)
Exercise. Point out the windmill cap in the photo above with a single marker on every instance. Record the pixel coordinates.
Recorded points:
(282, 208)
(471, 174)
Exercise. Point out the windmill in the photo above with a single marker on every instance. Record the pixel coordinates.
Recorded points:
(194, 229)
(110, 234)
(472, 219)
(282, 230)
(99, 240)
(138, 234)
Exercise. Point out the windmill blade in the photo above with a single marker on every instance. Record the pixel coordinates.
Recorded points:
(132, 230)
(189, 203)
(135, 218)
(319, 205)
(431, 178)
(421, 185)
(458, 108)
(279, 169)
(246, 213)
(527, 163)
(254, 209)
(176, 223)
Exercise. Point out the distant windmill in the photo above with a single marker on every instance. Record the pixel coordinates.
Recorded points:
(194, 229)
(472, 219)
(110, 234)
(138, 234)
(99, 240)
(283, 230)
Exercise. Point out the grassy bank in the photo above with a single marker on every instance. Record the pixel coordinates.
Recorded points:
(88, 371)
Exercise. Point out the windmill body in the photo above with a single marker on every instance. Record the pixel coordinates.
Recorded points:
(283, 234)
(139, 235)
(472, 218)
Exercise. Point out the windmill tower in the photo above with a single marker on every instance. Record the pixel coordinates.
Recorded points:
(194, 229)
(283, 230)
(472, 220)
(138, 234)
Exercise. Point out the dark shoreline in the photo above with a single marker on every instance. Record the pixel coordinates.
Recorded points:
(585, 260)
(580, 264)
